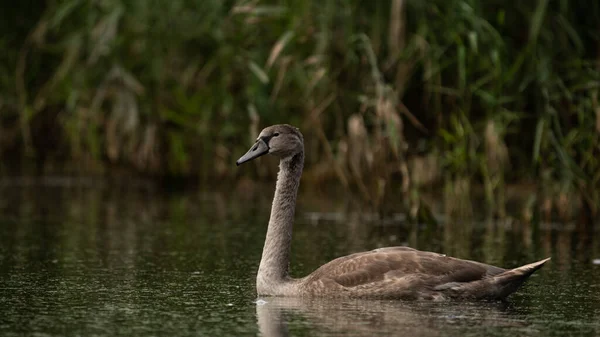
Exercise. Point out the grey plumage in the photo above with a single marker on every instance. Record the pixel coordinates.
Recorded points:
(386, 273)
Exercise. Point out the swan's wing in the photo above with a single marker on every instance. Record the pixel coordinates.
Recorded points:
(401, 263)
(405, 273)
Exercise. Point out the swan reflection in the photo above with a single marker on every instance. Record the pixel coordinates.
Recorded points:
(276, 316)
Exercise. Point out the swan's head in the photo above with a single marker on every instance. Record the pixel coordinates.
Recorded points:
(282, 140)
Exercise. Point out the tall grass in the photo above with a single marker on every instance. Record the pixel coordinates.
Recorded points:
(491, 90)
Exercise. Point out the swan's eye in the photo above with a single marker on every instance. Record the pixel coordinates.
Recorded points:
(276, 134)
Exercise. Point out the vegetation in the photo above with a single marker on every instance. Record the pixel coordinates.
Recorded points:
(398, 90)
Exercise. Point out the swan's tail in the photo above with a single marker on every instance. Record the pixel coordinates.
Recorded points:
(509, 281)
(495, 287)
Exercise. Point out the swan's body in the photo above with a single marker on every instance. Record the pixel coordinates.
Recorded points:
(394, 272)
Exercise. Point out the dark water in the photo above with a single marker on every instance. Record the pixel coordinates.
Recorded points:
(93, 258)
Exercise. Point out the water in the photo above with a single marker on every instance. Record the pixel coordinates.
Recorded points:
(97, 259)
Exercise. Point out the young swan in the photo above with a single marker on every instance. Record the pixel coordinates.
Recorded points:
(385, 273)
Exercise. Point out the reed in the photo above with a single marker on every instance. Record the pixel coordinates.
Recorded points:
(497, 91)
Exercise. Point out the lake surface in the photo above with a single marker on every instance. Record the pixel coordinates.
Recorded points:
(92, 258)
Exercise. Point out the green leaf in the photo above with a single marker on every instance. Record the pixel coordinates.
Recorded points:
(258, 72)
(539, 133)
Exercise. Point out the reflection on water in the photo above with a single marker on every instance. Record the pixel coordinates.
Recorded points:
(94, 258)
(277, 316)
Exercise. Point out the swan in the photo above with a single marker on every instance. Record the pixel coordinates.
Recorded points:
(384, 273)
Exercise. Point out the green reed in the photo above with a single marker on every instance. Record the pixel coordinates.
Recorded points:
(490, 91)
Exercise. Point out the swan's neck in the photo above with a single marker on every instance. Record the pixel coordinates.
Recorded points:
(273, 271)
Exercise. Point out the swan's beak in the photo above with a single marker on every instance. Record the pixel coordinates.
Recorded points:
(258, 149)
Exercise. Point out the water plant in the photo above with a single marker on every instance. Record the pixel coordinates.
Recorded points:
(494, 91)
